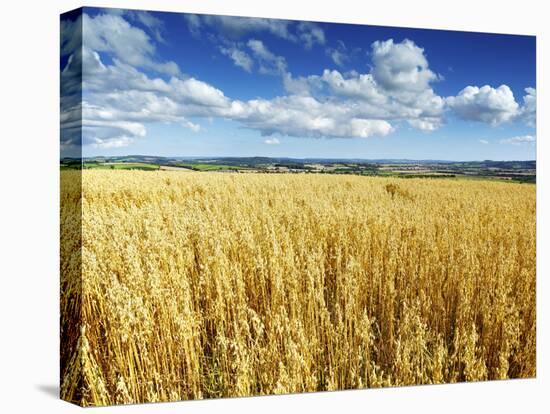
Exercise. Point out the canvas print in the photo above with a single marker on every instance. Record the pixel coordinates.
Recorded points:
(254, 206)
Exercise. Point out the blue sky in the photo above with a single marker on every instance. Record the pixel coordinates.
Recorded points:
(175, 84)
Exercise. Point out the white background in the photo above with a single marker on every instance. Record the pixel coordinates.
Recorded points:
(29, 173)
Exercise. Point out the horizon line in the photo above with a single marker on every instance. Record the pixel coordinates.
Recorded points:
(296, 158)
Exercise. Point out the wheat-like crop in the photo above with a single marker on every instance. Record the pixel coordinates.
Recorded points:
(200, 285)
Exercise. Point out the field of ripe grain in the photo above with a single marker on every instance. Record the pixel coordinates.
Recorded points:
(202, 285)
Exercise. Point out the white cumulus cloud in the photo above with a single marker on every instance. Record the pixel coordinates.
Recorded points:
(239, 57)
(112, 33)
(520, 140)
(339, 54)
(372, 96)
(310, 34)
(269, 62)
(529, 109)
(486, 104)
(235, 27)
(401, 66)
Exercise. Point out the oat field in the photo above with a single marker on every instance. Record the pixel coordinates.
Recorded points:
(202, 285)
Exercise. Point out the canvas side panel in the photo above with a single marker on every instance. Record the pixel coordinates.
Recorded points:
(71, 342)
